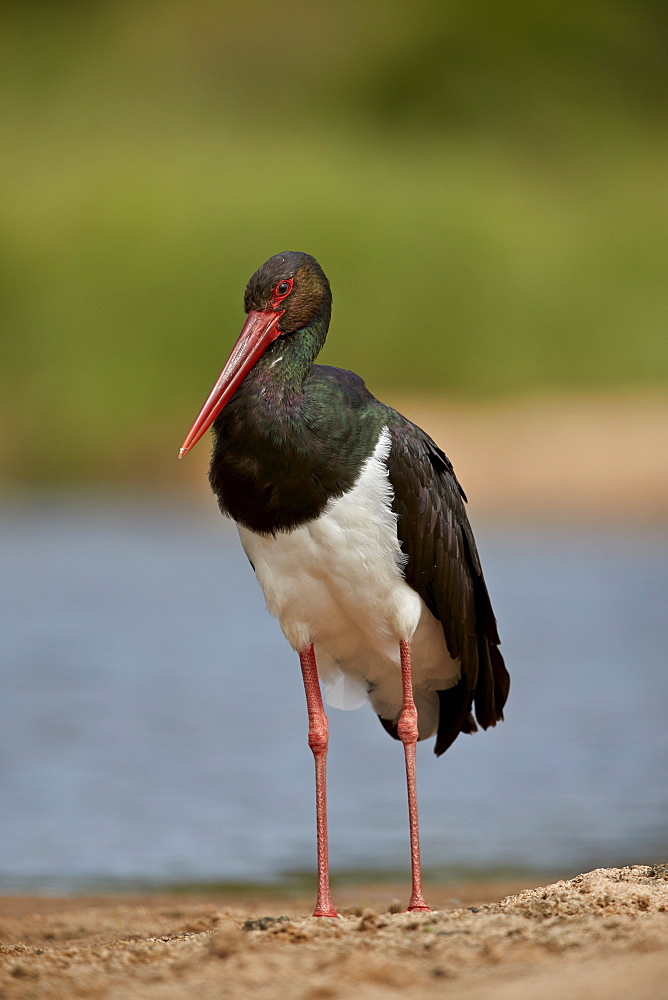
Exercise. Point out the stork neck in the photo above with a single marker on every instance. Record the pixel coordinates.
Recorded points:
(284, 366)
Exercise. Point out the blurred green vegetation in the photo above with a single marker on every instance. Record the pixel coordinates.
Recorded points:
(485, 183)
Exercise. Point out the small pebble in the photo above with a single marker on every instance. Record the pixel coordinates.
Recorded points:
(262, 923)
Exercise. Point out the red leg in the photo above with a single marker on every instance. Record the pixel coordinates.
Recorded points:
(318, 738)
(408, 734)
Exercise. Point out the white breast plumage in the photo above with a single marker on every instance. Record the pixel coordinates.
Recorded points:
(337, 582)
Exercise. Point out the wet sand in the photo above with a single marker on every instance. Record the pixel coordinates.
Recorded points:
(599, 935)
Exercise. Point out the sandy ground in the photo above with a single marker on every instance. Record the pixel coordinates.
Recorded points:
(600, 936)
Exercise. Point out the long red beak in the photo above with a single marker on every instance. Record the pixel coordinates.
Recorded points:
(259, 330)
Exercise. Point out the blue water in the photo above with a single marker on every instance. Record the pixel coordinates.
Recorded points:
(152, 718)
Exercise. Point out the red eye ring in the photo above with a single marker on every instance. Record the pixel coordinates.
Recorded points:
(282, 290)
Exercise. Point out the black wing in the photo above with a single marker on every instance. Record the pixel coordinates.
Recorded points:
(444, 568)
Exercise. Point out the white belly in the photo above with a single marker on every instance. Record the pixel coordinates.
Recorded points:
(337, 582)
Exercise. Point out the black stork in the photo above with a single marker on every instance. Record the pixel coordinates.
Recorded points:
(354, 523)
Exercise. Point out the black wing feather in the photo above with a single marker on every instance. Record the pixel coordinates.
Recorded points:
(444, 568)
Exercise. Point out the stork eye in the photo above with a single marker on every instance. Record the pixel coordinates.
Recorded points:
(282, 289)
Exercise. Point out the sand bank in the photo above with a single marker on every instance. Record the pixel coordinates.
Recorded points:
(582, 457)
